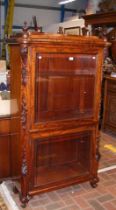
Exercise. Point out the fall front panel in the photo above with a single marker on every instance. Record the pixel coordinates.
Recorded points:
(64, 86)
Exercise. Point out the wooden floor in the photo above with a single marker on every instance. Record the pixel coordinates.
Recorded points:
(82, 196)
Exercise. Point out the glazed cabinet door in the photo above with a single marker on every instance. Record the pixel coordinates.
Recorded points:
(64, 86)
(61, 160)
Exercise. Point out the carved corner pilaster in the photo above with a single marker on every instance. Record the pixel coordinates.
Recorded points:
(23, 112)
(24, 52)
(24, 115)
(24, 168)
(24, 74)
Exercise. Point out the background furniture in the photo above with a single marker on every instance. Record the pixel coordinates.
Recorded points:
(101, 19)
(104, 25)
(56, 81)
(109, 115)
(8, 150)
(4, 148)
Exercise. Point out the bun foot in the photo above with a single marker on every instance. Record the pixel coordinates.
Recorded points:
(15, 190)
(94, 182)
(24, 200)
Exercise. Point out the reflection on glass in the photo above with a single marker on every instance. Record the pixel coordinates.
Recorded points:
(58, 159)
(64, 86)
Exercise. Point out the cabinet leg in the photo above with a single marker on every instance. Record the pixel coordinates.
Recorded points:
(24, 200)
(23, 205)
(94, 182)
(15, 190)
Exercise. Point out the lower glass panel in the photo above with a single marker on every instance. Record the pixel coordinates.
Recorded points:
(61, 159)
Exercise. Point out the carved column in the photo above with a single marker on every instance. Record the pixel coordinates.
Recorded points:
(24, 113)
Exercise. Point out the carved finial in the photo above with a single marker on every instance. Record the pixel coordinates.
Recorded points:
(101, 32)
(60, 30)
(25, 28)
(85, 31)
(25, 31)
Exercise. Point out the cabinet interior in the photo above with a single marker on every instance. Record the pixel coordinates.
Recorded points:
(61, 158)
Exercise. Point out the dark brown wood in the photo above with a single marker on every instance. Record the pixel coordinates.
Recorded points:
(5, 171)
(104, 25)
(58, 110)
(109, 114)
(100, 19)
(4, 125)
(9, 169)
(113, 49)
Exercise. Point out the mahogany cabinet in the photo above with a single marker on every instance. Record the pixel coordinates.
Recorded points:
(109, 114)
(55, 86)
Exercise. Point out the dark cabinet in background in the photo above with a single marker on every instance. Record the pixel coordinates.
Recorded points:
(109, 114)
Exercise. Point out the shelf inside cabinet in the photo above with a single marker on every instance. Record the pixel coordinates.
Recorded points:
(61, 159)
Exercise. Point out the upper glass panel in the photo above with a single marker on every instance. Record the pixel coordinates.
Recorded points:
(64, 86)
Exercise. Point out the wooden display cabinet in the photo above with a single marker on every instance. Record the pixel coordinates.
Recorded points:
(56, 81)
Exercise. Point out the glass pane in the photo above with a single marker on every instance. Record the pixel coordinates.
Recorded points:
(64, 86)
(61, 158)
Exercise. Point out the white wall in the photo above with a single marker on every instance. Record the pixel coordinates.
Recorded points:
(54, 3)
(44, 17)
(74, 22)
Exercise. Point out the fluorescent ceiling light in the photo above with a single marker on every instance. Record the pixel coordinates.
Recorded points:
(66, 1)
